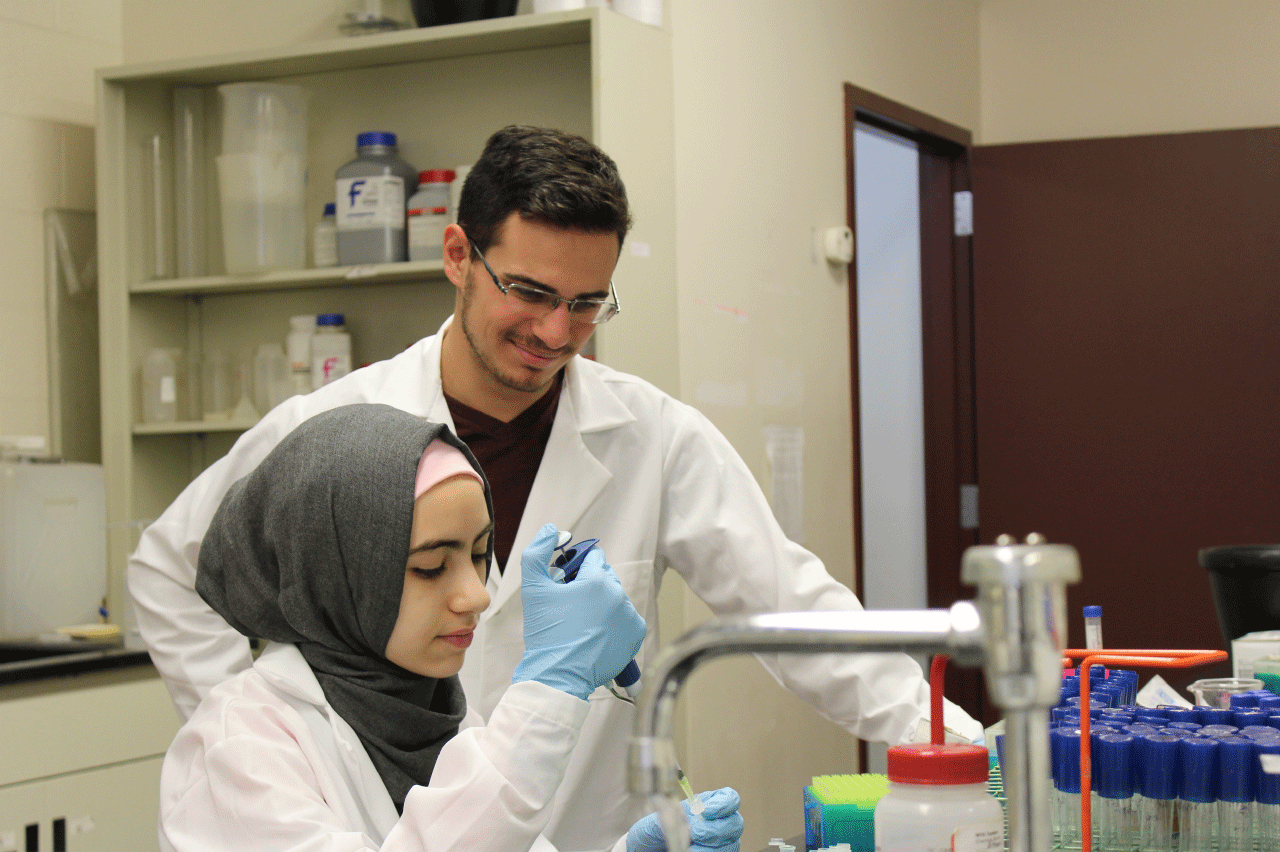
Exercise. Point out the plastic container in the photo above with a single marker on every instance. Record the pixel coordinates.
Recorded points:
(160, 371)
(324, 245)
(262, 197)
(271, 384)
(330, 350)
(53, 546)
(427, 214)
(298, 351)
(370, 193)
(938, 800)
(215, 386)
(263, 118)
(262, 176)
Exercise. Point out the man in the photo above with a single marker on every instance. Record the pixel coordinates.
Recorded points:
(563, 440)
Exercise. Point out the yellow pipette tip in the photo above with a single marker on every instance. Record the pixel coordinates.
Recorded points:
(695, 804)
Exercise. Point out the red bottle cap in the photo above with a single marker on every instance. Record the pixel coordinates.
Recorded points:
(925, 763)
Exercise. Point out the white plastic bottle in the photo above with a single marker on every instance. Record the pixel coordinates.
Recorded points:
(330, 350)
(370, 194)
(427, 214)
(160, 385)
(938, 802)
(324, 244)
(298, 350)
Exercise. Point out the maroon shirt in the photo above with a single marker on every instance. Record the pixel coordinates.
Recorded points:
(509, 454)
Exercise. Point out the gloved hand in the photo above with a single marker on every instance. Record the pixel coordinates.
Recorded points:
(578, 635)
(717, 829)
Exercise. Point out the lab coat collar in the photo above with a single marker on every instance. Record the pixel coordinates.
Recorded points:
(283, 666)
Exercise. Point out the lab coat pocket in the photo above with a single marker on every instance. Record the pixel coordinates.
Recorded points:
(637, 582)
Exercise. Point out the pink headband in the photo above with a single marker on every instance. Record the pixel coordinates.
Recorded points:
(441, 461)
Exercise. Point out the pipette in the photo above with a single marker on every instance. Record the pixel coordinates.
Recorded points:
(695, 804)
(563, 569)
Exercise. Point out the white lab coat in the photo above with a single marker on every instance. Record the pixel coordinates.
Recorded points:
(650, 477)
(266, 764)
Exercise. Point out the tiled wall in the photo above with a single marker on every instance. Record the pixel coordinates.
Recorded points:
(48, 52)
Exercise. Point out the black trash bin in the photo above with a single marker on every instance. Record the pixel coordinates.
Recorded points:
(1245, 580)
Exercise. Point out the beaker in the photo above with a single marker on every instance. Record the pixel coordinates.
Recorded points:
(1217, 692)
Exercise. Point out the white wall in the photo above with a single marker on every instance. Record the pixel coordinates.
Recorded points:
(48, 50)
(1054, 70)
(760, 163)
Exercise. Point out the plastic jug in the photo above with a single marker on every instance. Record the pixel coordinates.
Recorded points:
(262, 176)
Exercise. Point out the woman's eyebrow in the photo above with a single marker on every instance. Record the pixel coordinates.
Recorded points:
(452, 543)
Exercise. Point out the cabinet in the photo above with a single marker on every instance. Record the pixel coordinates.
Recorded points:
(442, 90)
(82, 760)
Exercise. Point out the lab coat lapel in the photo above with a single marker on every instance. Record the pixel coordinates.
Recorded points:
(570, 477)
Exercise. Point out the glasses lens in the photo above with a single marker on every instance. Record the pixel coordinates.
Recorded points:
(605, 313)
(530, 296)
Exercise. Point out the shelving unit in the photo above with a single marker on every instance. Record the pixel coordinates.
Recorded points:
(442, 90)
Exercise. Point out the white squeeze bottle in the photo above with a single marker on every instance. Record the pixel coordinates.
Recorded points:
(330, 350)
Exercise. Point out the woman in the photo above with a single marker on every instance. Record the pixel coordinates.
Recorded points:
(360, 547)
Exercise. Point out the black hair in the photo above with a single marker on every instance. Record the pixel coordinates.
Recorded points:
(546, 175)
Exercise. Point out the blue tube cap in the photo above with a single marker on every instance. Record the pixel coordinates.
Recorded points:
(1158, 766)
(1215, 716)
(1245, 718)
(1093, 612)
(1235, 769)
(1113, 762)
(1244, 700)
(1198, 757)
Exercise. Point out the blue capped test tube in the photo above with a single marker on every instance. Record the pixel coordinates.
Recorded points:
(1267, 815)
(1115, 815)
(1065, 746)
(1235, 794)
(1158, 782)
(1198, 794)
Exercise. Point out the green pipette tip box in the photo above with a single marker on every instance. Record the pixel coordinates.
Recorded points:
(841, 809)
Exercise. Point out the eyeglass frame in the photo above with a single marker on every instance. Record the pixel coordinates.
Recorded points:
(556, 298)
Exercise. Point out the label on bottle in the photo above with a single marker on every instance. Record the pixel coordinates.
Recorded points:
(426, 229)
(985, 837)
(168, 389)
(370, 202)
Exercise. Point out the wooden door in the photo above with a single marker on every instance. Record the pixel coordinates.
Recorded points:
(1127, 352)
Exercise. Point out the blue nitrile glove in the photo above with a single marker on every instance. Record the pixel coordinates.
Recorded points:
(717, 829)
(578, 635)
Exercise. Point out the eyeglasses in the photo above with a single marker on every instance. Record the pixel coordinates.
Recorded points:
(542, 302)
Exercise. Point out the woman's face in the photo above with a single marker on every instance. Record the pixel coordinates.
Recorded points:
(444, 591)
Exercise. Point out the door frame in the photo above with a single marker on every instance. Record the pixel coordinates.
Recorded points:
(946, 270)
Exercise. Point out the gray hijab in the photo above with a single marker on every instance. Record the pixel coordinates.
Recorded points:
(311, 547)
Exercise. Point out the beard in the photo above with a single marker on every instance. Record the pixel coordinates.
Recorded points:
(488, 363)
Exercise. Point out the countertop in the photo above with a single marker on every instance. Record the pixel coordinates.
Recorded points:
(32, 660)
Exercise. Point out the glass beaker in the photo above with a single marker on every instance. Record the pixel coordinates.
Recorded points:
(1217, 692)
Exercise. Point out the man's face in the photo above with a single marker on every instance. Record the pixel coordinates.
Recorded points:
(519, 347)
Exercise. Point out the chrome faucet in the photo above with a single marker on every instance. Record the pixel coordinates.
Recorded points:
(1016, 630)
